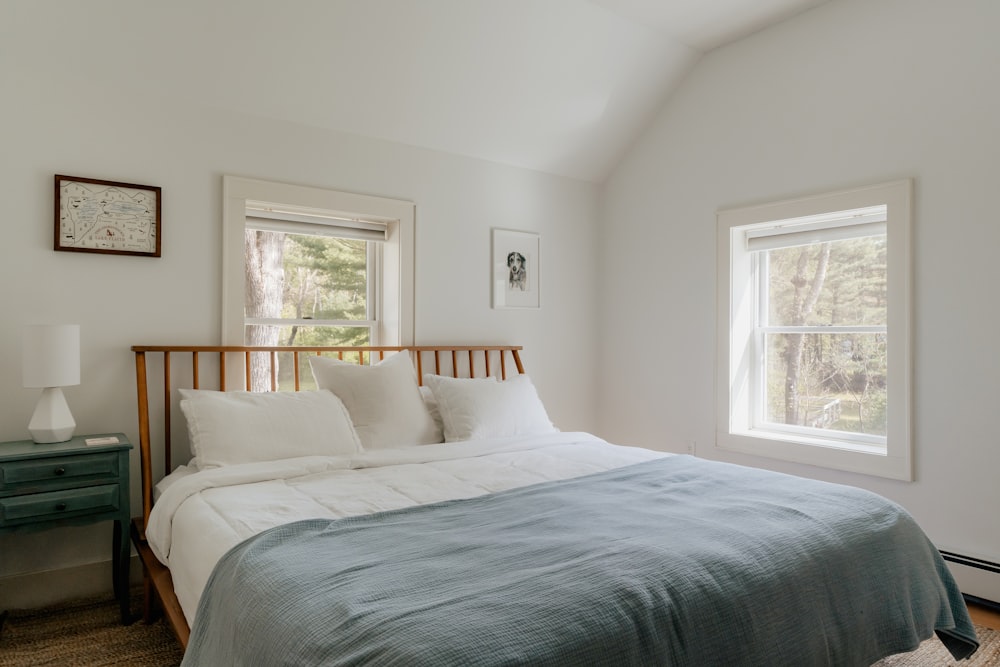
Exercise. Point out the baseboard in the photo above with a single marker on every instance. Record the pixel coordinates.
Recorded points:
(982, 602)
(977, 577)
(39, 589)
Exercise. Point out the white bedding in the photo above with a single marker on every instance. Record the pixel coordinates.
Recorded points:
(200, 516)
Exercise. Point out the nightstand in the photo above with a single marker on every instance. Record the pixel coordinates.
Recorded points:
(69, 483)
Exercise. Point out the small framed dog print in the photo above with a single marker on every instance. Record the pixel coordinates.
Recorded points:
(516, 269)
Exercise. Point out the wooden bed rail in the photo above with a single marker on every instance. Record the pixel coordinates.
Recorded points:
(455, 361)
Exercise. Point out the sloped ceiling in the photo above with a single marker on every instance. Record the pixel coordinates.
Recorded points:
(560, 86)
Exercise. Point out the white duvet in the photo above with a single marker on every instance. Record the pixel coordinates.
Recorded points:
(199, 516)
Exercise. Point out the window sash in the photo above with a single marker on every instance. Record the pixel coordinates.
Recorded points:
(307, 322)
(813, 229)
(371, 326)
(861, 442)
(373, 259)
(759, 396)
(760, 269)
(838, 329)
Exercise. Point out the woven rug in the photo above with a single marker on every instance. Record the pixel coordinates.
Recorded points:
(932, 653)
(87, 633)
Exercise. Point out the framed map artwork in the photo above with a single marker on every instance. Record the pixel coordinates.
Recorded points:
(107, 217)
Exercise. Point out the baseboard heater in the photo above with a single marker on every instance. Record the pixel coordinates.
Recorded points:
(979, 564)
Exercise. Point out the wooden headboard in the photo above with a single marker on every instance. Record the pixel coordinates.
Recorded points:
(163, 368)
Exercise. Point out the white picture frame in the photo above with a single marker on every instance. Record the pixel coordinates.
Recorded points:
(516, 269)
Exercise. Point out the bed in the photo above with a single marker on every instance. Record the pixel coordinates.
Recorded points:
(417, 506)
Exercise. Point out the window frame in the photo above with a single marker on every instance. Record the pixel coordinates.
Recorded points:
(737, 428)
(393, 276)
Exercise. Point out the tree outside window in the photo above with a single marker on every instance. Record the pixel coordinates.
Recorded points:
(831, 381)
(304, 290)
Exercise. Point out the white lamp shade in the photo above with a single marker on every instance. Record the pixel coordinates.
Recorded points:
(50, 355)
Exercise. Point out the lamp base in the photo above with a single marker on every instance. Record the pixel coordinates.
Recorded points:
(52, 420)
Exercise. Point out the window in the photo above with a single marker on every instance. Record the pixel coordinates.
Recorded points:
(814, 330)
(310, 266)
(310, 278)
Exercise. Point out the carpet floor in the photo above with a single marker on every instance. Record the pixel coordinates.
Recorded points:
(87, 633)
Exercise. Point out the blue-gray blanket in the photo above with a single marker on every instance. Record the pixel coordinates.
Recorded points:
(678, 561)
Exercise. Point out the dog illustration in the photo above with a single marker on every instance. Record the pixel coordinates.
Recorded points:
(517, 277)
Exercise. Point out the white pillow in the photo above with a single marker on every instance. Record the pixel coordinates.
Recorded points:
(473, 409)
(383, 400)
(432, 407)
(243, 427)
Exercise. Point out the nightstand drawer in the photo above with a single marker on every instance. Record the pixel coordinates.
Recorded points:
(95, 466)
(58, 504)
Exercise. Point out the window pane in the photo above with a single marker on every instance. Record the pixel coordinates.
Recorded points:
(325, 278)
(325, 336)
(312, 336)
(837, 283)
(303, 277)
(828, 381)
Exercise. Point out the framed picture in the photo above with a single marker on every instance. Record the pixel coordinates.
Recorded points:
(107, 217)
(516, 269)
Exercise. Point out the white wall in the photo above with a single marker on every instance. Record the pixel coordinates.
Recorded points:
(854, 92)
(61, 116)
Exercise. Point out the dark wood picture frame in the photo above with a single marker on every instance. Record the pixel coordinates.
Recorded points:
(92, 215)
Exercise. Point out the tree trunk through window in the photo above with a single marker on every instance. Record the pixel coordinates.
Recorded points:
(263, 288)
(806, 294)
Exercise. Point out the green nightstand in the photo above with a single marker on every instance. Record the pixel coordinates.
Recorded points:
(69, 483)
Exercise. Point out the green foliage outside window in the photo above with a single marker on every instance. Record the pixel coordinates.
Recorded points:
(828, 380)
(300, 277)
(324, 279)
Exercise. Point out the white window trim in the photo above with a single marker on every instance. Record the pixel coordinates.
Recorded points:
(736, 303)
(397, 253)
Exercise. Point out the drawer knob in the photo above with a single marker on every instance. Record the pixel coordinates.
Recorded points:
(61, 506)
(60, 471)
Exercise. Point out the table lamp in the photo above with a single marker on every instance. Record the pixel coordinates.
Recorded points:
(51, 360)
